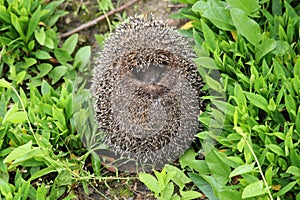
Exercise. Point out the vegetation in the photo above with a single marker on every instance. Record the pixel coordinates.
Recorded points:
(247, 53)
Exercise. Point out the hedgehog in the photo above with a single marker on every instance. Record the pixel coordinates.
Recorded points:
(147, 92)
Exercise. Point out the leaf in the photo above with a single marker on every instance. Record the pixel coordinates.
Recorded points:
(293, 170)
(249, 6)
(254, 189)
(245, 26)
(33, 22)
(41, 192)
(82, 57)
(206, 62)
(186, 195)
(188, 159)
(286, 188)
(204, 186)
(15, 117)
(42, 55)
(18, 152)
(264, 48)
(20, 77)
(62, 56)
(209, 36)
(44, 69)
(200, 7)
(168, 191)
(57, 73)
(257, 100)
(96, 163)
(213, 84)
(242, 169)
(42, 172)
(5, 189)
(4, 83)
(40, 36)
(150, 181)
(219, 169)
(45, 88)
(220, 17)
(15, 22)
(70, 44)
(179, 178)
(276, 149)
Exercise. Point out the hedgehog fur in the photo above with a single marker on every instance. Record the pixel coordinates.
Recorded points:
(147, 92)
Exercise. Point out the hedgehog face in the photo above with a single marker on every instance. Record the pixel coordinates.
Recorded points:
(150, 75)
(147, 92)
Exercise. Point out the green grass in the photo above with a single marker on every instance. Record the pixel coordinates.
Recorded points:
(247, 53)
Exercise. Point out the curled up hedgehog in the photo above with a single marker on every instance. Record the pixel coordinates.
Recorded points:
(147, 92)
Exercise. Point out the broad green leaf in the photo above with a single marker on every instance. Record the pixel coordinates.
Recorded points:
(4, 83)
(213, 84)
(16, 117)
(82, 57)
(265, 47)
(42, 55)
(218, 168)
(70, 44)
(5, 16)
(41, 192)
(168, 191)
(49, 43)
(44, 69)
(45, 88)
(257, 100)
(20, 77)
(293, 170)
(245, 26)
(276, 149)
(16, 23)
(220, 17)
(57, 73)
(33, 22)
(200, 7)
(203, 185)
(40, 36)
(297, 68)
(179, 178)
(96, 163)
(18, 152)
(254, 189)
(150, 181)
(42, 172)
(186, 195)
(269, 175)
(242, 169)
(286, 188)
(188, 159)
(209, 36)
(249, 6)
(230, 195)
(206, 62)
(290, 105)
(5, 189)
(62, 56)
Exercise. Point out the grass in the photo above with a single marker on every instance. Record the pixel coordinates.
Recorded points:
(247, 53)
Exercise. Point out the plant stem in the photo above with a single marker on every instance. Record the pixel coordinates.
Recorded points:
(27, 118)
(98, 19)
(259, 168)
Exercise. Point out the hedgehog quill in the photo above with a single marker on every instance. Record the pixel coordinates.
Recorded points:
(147, 92)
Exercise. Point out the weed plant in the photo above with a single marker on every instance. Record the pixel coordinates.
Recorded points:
(248, 53)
